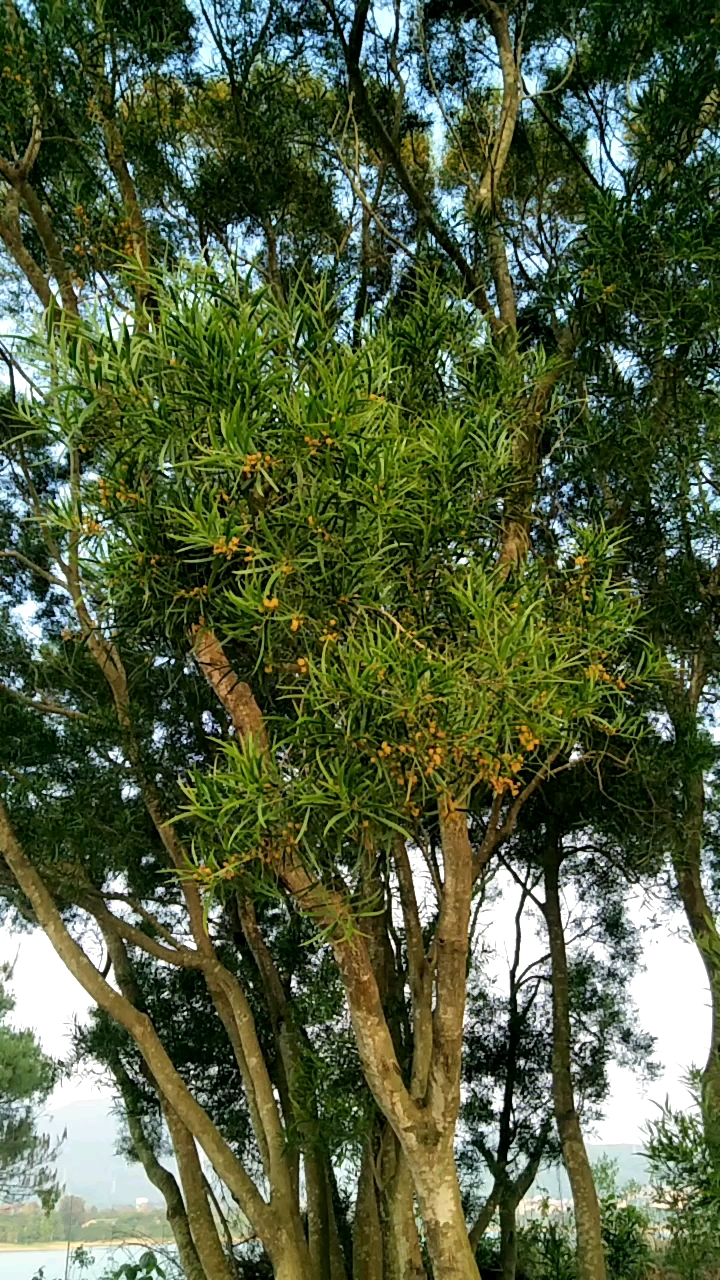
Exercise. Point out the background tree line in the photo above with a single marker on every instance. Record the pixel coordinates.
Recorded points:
(359, 580)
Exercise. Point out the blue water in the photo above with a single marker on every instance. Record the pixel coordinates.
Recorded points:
(26, 1264)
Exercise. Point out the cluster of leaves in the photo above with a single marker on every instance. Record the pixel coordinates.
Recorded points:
(76, 71)
(253, 474)
(685, 1181)
(546, 1244)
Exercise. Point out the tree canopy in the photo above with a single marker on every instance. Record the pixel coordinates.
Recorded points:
(359, 570)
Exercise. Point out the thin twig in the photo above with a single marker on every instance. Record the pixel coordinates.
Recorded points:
(30, 564)
(148, 917)
(12, 363)
(518, 880)
(44, 708)
(472, 186)
(360, 194)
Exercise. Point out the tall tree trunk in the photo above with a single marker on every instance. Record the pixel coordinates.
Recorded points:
(221, 1218)
(317, 1219)
(338, 1263)
(402, 1258)
(687, 863)
(425, 1128)
(323, 1237)
(438, 1191)
(164, 1180)
(368, 1259)
(200, 1216)
(590, 1251)
(401, 1243)
(276, 1225)
(432, 1162)
(508, 1236)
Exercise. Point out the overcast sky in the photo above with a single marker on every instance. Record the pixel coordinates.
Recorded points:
(671, 996)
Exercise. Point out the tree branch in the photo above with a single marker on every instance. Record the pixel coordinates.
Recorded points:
(140, 1028)
(352, 49)
(36, 568)
(331, 912)
(44, 708)
(420, 974)
(11, 234)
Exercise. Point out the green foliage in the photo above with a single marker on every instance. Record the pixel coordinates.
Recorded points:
(27, 1077)
(147, 1267)
(82, 1259)
(256, 475)
(625, 1226)
(546, 1244)
(685, 1181)
(546, 1249)
(324, 486)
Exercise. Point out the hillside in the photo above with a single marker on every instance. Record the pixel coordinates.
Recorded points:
(90, 1168)
(88, 1164)
(631, 1167)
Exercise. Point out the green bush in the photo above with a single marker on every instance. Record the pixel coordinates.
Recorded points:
(625, 1226)
(687, 1185)
(546, 1249)
(546, 1246)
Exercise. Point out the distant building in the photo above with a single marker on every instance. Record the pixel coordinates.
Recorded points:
(142, 1204)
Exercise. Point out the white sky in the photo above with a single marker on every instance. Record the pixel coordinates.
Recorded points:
(671, 995)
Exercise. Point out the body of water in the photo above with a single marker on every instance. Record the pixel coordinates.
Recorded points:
(26, 1263)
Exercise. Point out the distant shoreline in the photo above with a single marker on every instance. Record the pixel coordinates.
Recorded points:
(42, 1246)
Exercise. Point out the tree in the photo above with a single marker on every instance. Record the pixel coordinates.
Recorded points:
(663, 320)
(400, 691)
(506, 1117)
(27, 1077)
(472, 452)
(511, 1061)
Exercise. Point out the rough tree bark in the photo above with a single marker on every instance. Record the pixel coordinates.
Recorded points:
(16, 174)
(508, 1237)
(687, 864)
(590, 1251)
(199, 1213)
(276, 1227)
(402, 1257)
(425, 1130)
(396, 1204)
(368, 1259)
(323, 1237)
(438, 1194)
(161, 1178)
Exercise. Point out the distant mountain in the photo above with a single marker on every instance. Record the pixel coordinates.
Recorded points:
(88, 1165)
(632, 1166)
